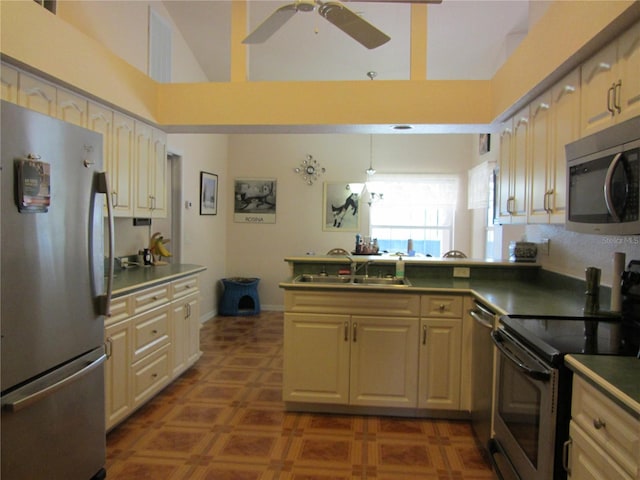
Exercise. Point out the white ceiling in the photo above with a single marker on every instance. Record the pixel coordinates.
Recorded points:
(466, 40)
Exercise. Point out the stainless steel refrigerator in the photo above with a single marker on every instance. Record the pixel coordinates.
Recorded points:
(53, 299)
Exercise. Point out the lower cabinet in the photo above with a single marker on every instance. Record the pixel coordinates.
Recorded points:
(604, 438)
(346, 349)
(440, 360)
(185, 344)
(440, 352)
(351, 360)
(151, 338)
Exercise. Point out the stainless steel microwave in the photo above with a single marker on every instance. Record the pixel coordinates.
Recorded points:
(603, 181)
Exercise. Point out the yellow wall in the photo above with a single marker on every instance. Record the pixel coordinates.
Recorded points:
(74, 58)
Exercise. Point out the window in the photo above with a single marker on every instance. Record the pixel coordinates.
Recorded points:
(416, 207)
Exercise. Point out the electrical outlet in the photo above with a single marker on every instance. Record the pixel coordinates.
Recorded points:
(461, 272)
(544, 246)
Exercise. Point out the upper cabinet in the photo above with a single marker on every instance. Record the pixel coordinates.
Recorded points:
(151, 172)
(511, 195)
(72, 108)
(611, 83)
(9, 83)
(36, 94)
(555, 120)
(134, 154)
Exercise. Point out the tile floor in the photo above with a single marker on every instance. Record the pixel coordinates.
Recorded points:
(224, 420)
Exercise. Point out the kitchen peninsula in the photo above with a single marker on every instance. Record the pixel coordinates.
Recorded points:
(402, 349)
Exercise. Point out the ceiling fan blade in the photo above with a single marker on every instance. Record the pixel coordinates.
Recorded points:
(271, 24)
(353, 25)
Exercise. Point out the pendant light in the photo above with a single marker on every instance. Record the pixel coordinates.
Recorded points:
(371, 171)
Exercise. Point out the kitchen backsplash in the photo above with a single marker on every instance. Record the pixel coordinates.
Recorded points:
(570, 253)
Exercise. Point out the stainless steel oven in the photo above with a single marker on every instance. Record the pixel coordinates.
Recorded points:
(525, 410)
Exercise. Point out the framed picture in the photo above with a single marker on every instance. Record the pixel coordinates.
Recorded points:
(208, 193)
(255, 200)
(341, 212)
(484, 143)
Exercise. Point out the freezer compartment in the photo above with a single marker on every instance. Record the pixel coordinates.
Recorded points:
(54, 426)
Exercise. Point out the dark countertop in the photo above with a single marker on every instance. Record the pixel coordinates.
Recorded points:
(537, 296)
(136, 278)
(617, 377)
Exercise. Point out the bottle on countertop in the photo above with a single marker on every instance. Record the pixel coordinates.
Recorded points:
(400, 268)
(358, 243)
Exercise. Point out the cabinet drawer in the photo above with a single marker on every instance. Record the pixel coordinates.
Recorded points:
(150, 298)
(150, 332)
(150, 375)
(612, 428)
(119, 308)
(441, 306)
(184, 286)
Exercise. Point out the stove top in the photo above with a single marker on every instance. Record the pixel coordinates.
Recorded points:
(553, 337)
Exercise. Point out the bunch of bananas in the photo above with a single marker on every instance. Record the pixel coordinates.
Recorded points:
(156, 245)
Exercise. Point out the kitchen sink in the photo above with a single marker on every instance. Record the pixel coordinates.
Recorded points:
(382, 281)
(352, 280)
(306, 278)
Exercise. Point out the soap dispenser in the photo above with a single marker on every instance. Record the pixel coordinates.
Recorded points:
(400, 268)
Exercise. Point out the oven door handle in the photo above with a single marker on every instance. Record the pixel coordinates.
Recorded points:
(543, 375)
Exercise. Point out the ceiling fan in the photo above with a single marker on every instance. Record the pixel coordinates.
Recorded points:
(335, 12)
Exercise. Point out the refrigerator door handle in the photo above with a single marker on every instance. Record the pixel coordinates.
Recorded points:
(23, 400)
(104, 301)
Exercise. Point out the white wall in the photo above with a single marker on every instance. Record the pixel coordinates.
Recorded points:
(259, 249)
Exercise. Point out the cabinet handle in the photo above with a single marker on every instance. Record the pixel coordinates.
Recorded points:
(154, 332)
(611, 99)
(346, 331)
(565, 456)
(442, 307)
(114, 198)
(154, 375)
(616, 96)
(598, 423)
(108, 347)
(522, 121)
(355, 332)
(424, 334)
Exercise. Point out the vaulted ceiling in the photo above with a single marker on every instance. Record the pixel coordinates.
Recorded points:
(466, 40)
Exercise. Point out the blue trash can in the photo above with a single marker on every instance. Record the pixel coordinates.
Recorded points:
(240, 297)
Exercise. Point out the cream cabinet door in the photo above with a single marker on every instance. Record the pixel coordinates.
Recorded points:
(565, 128)
(503, 181)
(539, 178)
(36, 94)
(316, 358)
(440, 363)
(629, 71)
(72, 108)
(185, 333)
(384, 361)
(121, 165)
(597, 92)
(519, 168)
(9, 83)
(118, 398)
(151, 172)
